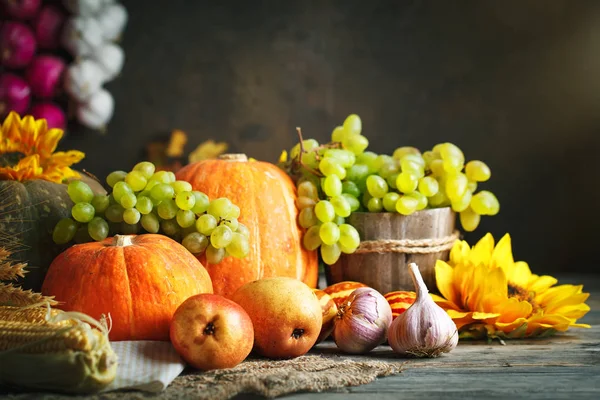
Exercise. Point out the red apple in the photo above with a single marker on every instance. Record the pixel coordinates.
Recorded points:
(211, 332)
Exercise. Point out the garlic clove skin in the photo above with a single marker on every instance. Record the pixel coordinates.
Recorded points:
(110, 57)
(83, 79)
(424, 329)
(97, 111)
(81, 36)
(112, 20)
(362, 322)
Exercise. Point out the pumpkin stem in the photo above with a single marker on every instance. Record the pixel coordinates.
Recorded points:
(233, 157)
(122, 240)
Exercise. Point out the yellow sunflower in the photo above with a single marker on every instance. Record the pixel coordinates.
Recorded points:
(27, 151)
(488, 294)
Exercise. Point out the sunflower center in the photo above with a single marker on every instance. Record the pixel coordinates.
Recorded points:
(11, 159)
(523, 295)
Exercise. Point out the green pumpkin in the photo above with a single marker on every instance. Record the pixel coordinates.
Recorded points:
(28, 213)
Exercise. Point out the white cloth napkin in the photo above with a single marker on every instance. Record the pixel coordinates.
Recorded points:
(145, 365)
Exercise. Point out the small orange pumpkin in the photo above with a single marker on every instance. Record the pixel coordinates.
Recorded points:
(139, 280)
(266, 196)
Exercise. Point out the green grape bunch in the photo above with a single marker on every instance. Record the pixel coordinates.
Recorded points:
(338, 178)
(144, 200)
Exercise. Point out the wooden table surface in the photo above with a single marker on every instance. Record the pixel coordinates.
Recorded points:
(561, 367)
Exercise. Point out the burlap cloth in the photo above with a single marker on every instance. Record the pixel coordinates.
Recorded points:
(268, 378)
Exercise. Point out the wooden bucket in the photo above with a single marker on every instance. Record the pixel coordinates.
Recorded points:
(389, 242)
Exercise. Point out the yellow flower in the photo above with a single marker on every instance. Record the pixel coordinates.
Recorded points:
(27, 151)
(488, 294)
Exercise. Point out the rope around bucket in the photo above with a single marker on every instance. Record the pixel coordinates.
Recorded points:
(409, 246)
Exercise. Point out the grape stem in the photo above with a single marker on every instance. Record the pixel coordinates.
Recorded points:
(302, 151)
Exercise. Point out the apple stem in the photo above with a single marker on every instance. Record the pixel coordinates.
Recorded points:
(210, 329)
(297, 333)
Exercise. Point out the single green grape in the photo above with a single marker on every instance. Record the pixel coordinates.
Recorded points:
(324, 211)
(80, 192)
(477, 171)
(388, 169)
(352, 201)
(353, 124)
(167, 209)
(341, 206)
(136, 181)
(349, 236)
(221, 236)
(206, 223)
(201, 202)
(472, 186)
(232, 223)
(407, 182)
(114, 213)
(243, 230)
(64, 230)
(312, 240)
(151, 183)
(181, 186)
(437, 167)
(413, 163)
(185, 218)
(377, 186)
(485, 203)
(307, 217)
(407, 205)
(114, 177)
(439, 199)
(239, 246)
(170, 227)
(469, 219)
(120, 189)
(369, 159)
(330, 253)
(462, 203)
(421, 199)
(456, 185)
(150, 223)
(98, 229)
(351, 188)
(400, 152)
(161, 176)
(220, 207)
(234, 213)
(146, 168)
(356, 143)
(344, 157)
(128, 200)
(389, 201)
(375, 204)
(392, 179)
(144, 205)
(329, 233)
(162, 191)
(357, 172)
(83, 212)
(303, 202)
(331, 166)
(332, 185)
(429, 156)
(195, 242)
(428, 186)
(338, 134)
(185, 200)
(214, 255)
(131, 216)
(308, 189)
(100, 202)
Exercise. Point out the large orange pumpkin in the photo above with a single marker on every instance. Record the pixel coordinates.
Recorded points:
(139, 280)
(266, 196)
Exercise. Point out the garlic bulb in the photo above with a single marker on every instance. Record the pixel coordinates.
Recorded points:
(362, 322)
(112, 20)
(425, 329)
(110, 58)
(97, 110)
(81, 36)
(83, 79)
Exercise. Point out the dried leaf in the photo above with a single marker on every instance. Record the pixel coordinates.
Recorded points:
(176, 144)
(207, 150)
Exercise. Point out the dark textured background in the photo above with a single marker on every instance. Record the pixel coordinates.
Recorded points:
(514, 83)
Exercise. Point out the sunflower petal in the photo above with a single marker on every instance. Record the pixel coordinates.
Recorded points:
(538, 284)
(444, 277)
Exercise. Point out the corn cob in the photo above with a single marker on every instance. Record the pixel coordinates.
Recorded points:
(68, 356)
